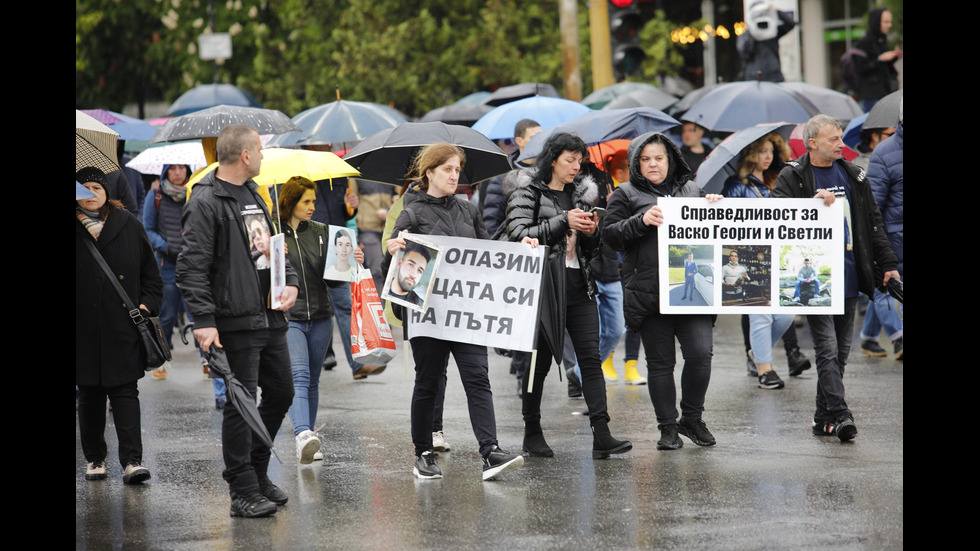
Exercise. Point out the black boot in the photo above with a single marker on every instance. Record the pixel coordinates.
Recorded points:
(534, 442)
(603, 443)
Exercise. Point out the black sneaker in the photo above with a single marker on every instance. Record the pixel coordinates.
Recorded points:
(669, 440)
(272, 492)
(425, 466)
(798, 363)
(252, 506)
(752, 370)
(770, 381)
(498, 462)
(899, 349)
(842, 428)
(697, 431)
(873, 349)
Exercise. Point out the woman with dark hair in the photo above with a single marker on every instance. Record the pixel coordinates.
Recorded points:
(109, 356)
(758, 168)
(310, 322)
(657, 170)
(552, 207)
(431, 208)
(877, 76)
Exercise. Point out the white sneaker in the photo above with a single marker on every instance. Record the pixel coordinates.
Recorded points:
(439, 443)
(307, 444)
(318, 456)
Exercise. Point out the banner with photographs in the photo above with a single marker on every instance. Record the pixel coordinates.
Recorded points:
(278, 245)
(485, 293)
(341, 265)
(410, 272)
(751, 256)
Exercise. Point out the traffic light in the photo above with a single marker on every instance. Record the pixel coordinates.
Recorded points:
(624, 37)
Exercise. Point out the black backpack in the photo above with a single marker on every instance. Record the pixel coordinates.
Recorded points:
(848, 67)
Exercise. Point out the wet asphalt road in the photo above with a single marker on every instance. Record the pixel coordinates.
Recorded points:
(767, 484)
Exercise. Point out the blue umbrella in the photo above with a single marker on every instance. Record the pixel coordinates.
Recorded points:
(733, 106)
(601, 126)
(210, 95)
(547, 111)
(827, 101)
(852, 134)
(338, 122)
(723, 159)
(82, 192)
(128, 128)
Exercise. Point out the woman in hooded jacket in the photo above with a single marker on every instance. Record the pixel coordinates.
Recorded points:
(657, 170)
(553, 207)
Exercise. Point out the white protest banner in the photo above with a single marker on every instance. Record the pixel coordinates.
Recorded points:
(751, 256)
(485, 293)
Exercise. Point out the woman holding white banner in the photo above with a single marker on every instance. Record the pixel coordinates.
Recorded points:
(554, 207)
(758, 167)
(657, 170)
(434, 210)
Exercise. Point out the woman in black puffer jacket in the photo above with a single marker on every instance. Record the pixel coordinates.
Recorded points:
(657, 170)
(551, 208)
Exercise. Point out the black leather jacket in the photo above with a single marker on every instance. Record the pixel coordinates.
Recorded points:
(306, 251)
(215, 271)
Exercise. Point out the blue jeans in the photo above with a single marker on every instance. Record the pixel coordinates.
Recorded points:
(172, 299)
(612, 325)
(307, 342)
(340, 301)
(882, 314)
(765, 330)
(832, 345)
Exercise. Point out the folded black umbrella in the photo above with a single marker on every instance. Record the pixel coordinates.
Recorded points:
(897, 289)
(239, 396)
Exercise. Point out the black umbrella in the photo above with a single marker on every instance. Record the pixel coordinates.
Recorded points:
(457, 113)
(239, 396)
(209, 123)
(897, 289)
(507, 94)
(386, 156)
(885, 113)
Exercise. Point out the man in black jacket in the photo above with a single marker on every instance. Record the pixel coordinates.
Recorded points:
(821, 173)
(223, 273)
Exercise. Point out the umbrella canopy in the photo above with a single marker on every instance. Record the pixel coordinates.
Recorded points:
(387, 156)
(655, 98)
(209, 123)
(128, 128)
(238, 396)
(852, 134)
(279, 165)
(475, 97)
(827, 101)
(211, 95)
(507, 94)
(82, 192)
(690, 99)
(601, 97)
(338, 122)
(605, 125)
(95, 144)
(499, 123)
(732, 106)
(885, 113)
(722, 162)
(457, 113)
(152, 160)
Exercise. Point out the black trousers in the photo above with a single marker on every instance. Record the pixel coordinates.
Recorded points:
(693, 332)
(431, 361)
(125, 413)
(258, 358)
(582, 322)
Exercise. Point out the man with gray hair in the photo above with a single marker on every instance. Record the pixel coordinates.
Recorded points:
(223, 273)
(821, 173)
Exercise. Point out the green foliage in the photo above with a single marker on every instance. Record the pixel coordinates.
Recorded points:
(663, 57)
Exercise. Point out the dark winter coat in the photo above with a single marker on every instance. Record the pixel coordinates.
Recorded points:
(876, 79)
(872, 254)
(306, 251)
(493, 197)
(108, 351)
(625, 231)
(534, 211)
(762, 57)
(215, 272)
(886, 173)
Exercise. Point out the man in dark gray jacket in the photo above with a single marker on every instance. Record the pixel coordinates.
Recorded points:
(223, 273)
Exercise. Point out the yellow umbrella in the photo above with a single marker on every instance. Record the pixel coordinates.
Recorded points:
(279, 165)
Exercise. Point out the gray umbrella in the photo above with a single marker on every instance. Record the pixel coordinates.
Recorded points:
(885, 113)
(208, 123)
(507, 94)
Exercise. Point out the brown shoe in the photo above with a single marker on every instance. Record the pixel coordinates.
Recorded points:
(377, 369)
(362, 373)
